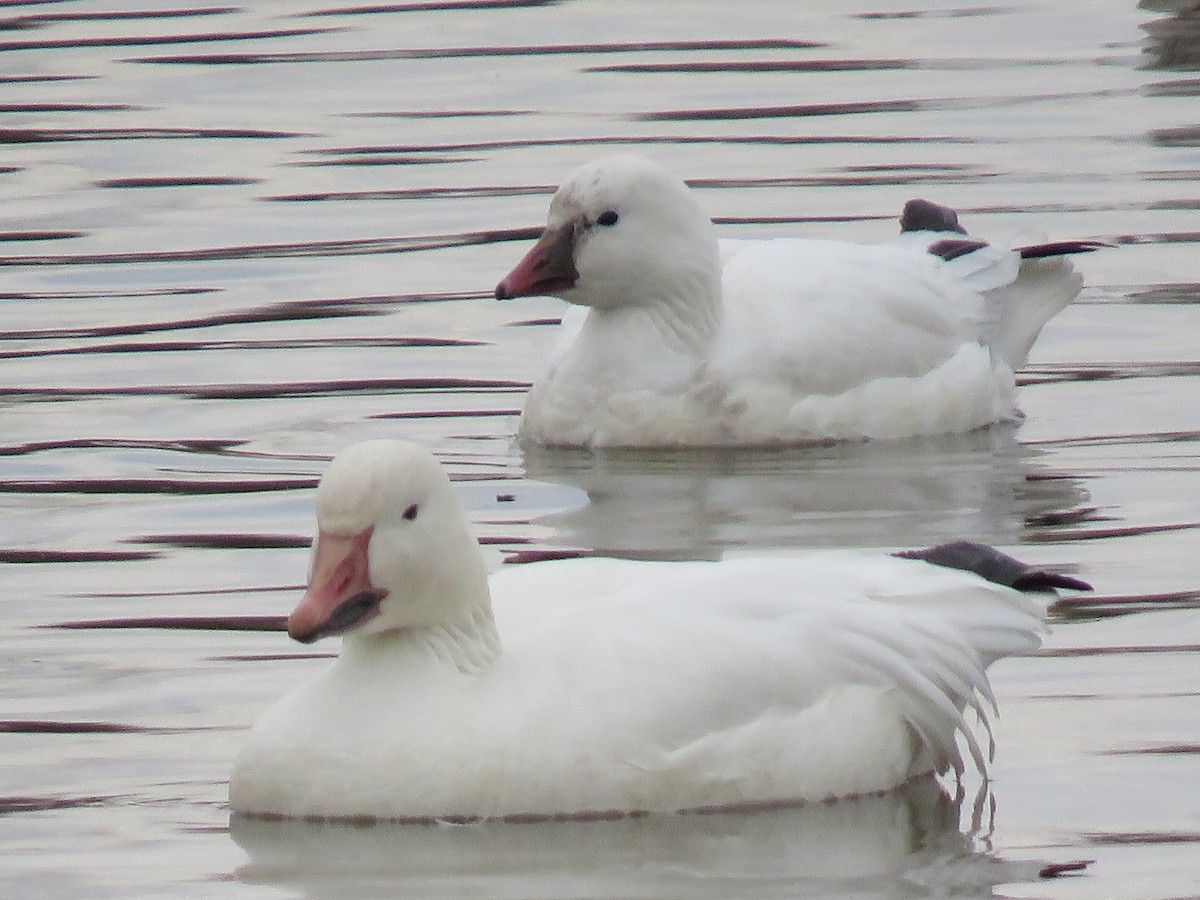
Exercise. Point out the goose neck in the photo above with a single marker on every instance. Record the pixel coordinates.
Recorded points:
(469, 644)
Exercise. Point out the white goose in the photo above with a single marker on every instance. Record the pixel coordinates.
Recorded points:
(691, 342)
(622, 686)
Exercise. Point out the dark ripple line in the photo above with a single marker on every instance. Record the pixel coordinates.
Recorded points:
(15, 236)
(1182, 87)
(431, 6)
(279, 312)
(64, 135)
(49, 726)
(1088, 534)
(160, 39)
(1181, 205)
(347, 386)
(1058, 373)
(805, 110)
(270, 657)
(449, 414)
(1141, 838)
(200, 592)
(40, 79)
(43, 557)
(801, 110)
(1059, 518)
(1161, 237)
(475, 52)
(430, 193)
(1170, 175)
(1073, 606)
(178, 486)
(176, 181)
(443, 114)
(225, 541)
(961, 12)
(1068, 652)
(249, 344)
(103, 295)
(875, 178)
(198, 446)
(1182, 136)
(351, 247)
(826, 65)
(1136, 437)
(183, 623)
(1127, 695)
(638, 140)
(797, 220)
(766, 66)
(524, 557)
(19, 804)
(68, 107)
(264, 391)
(412, 160)
(39, 18)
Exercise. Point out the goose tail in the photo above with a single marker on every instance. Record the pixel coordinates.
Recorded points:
(1023, 287)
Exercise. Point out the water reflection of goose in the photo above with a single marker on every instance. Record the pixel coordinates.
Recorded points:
(983, 486)
(1172, 41)
(687, 342)
(903, 844)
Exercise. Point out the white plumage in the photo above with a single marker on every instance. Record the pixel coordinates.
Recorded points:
(602, 686)
(688, 341)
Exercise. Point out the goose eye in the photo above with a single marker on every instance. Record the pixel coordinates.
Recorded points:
(411, 512)
(608, 217)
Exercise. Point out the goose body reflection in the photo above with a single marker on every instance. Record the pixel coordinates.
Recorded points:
(866, 838)
(982, 486)
(913, 842)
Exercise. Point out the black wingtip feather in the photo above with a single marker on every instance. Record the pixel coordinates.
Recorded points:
(1060, 248)
(951, 248)
(992, 565)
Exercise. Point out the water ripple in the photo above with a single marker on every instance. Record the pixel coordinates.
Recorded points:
(288, 311)
(62, 135)
(37, 19)
(273, 390)
(159, 39)
(174, 181)
(184, 623)
(225, 59)
(431, 6)
(201, 447)
(248, 344)
(350, 247)
(178, 486)
(860, 107)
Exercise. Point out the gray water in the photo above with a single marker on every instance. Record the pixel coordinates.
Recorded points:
(234, 240)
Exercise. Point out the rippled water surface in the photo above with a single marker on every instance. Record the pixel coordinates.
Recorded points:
(235, 239)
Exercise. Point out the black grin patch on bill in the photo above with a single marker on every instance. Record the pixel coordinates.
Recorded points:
(349, 613)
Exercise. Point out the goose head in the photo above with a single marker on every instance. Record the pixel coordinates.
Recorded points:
(394, 550)
(621, 231)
